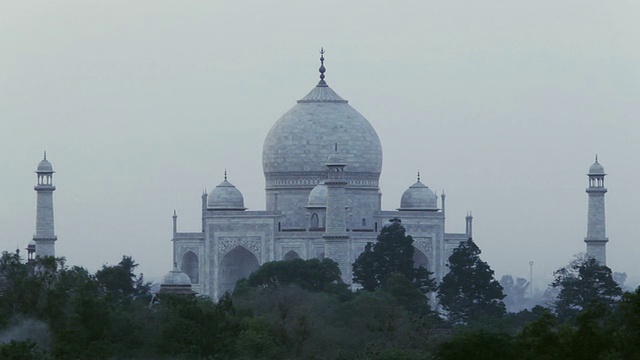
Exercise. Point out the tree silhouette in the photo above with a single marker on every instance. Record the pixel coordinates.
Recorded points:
(391, 254)
(469, 291)
(582, 283)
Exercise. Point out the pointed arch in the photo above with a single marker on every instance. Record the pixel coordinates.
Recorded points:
(315, 221)
(190, 266)
(290, 255)
(236, 264)
(420, 259)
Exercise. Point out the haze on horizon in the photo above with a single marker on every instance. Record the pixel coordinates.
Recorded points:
(142, 105)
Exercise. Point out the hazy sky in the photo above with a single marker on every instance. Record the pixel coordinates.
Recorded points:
(141, 105)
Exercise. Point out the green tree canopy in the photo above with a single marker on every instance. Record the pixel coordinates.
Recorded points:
(121, 281)
(314, 275)
(582, 283)
(391, 254)
(469, 291)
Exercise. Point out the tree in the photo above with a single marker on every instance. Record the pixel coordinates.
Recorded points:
(469, 291)
(25, 287)
(479, 345)
(582, 283)
(391, 254)
(193, 327)
(314, 275)
(121, 281)
(627, 325)
(539, 339)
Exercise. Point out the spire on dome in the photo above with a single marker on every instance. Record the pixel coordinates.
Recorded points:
(225, 174)
(596, 157)
(45, 155)
(322, 69)
(418, 175)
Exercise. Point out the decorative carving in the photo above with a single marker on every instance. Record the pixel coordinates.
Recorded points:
(193, 249)
(251, 243)
(424, 244)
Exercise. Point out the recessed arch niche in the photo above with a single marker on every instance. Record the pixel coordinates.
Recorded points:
(236, 264)
(190, 266)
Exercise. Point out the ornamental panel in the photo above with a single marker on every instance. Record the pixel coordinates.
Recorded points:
(251, 243)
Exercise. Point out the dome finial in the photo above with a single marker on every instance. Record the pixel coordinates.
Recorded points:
(596, 157)
(45, 154)
(418, 175)
(322, 69)
(225, 174)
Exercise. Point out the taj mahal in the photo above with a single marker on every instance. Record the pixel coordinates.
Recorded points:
(322, 161)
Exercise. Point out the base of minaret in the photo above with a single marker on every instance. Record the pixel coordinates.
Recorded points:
(336, 248)
(597, 249)
(45, 246)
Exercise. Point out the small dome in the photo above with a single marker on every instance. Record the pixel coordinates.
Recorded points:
(418, 197)
(176, 282)
(45, 166)
(176, 277)
(596, 169)
(225, 197)
(318, 196)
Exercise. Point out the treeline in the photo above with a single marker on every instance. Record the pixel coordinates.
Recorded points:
(301, 309)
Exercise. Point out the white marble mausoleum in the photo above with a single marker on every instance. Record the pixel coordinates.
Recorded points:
(322, 161)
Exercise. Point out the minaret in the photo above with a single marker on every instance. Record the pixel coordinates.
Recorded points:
(336, 246)
(596, 232)
(469, 221)
(45, 235)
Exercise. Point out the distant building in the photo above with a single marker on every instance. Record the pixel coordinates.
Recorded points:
(322, 161)
(43, 243)
(596, 230)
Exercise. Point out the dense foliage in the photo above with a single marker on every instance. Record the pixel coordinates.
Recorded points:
(314, 275)
(582, 283)
(391, 254)
(469, 291)
(291, 310)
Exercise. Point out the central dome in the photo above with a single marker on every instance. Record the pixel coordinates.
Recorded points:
(299, 143)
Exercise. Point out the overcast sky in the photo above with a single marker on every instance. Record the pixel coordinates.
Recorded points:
(141, 105)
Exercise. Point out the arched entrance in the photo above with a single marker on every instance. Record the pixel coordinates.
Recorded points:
(236, 264)
(419, 259)
(290, 255)
(190, 266)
